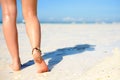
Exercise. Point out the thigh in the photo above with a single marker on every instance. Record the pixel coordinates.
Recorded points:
(9, 7)
(29, 7)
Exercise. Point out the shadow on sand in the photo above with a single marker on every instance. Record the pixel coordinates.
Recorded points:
(56, 56)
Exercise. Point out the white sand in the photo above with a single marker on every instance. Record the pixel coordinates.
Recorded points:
(108, 69)
(72, 52)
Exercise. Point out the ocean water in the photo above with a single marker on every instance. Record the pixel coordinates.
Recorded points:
(76, 22)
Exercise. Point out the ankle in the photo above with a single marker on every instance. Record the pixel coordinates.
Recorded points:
(16, 60)
(36, 50)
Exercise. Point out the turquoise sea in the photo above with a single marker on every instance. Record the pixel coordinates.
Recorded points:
(109, 21)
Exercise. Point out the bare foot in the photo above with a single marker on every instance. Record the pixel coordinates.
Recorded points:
(39, 62)
(16, 65)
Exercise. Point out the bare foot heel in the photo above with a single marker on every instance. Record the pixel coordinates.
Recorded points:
(15, 67)
(40, 63)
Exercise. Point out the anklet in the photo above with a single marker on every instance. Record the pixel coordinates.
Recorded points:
(36, 49)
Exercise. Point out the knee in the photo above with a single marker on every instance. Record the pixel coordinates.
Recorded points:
(8, 17)
(29, 16)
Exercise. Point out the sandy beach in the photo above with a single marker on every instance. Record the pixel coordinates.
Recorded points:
(71, 51)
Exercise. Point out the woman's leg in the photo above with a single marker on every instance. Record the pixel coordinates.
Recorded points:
(9, 13)
(33, 29)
